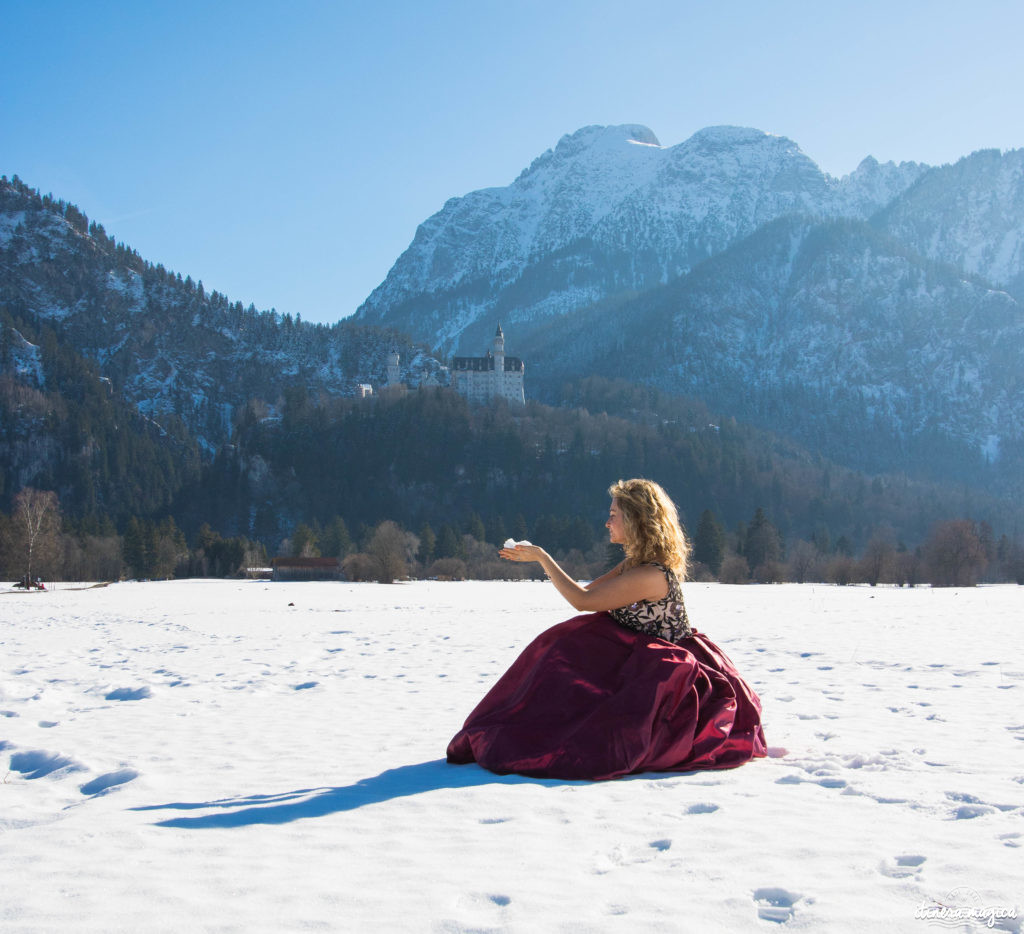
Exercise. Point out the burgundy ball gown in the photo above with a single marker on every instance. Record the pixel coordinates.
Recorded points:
(592, 699)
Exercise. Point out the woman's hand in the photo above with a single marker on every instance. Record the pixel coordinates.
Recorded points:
(522, 551)
(610, 591)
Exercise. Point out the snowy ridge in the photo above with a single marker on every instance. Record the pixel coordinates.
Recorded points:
(872, 184)
(556, 200)
(970, 215)
(671, 207)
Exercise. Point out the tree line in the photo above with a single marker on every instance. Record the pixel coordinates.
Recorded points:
(37, 542)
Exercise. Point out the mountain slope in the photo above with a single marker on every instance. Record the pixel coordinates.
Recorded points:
(63, 429)
(608, 211)
(168, 346)
(969, 215)
(861, 349)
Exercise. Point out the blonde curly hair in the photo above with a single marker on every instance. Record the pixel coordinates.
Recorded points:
(651, 524)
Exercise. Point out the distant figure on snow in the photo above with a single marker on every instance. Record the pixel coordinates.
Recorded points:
(628, 687)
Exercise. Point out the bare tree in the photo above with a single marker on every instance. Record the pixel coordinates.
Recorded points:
(840, 570)
(908, 569)
(453, 569)
(393, 549)
(734, 570)
(876, 564)
(803, 558)
(955, 554)
(36, 525)
(361, 567)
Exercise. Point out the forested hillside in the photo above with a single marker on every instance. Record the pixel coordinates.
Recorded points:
(64, 428)
(428, 457)
(168, 346)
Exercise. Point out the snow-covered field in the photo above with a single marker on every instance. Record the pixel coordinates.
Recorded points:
(249, 756)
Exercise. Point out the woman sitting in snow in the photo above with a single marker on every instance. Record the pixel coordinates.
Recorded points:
(628, 687)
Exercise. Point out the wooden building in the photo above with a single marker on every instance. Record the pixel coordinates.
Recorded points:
(306, 569)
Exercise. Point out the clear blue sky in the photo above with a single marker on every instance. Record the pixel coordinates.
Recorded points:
(284, 153)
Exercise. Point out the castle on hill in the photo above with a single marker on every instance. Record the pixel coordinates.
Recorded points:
(494, 376)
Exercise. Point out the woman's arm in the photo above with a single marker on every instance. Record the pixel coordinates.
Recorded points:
(608, 592)
(608, 575)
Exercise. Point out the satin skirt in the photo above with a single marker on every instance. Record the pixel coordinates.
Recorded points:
(590, 699)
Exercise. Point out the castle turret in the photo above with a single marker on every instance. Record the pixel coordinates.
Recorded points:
(392, 369)
(499, 351)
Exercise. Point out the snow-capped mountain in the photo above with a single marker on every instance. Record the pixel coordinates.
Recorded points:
(969, 215)
(877, 317)
(608, 211)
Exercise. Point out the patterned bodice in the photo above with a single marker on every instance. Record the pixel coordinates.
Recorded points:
(664, 618)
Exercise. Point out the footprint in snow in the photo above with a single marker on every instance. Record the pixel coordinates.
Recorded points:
(702, 807)
(127, 694)
(108, 780)
(902, 867)
(776, 904)
(38, 763)
(483, 901)
(969, 806)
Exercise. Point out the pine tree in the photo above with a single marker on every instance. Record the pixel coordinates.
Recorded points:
(475, 527)
(336, 541)
(428, 545)
(135, 552)
(709, 542)
(448, 543)
(496, 533)
(304, 542)
(763, 543)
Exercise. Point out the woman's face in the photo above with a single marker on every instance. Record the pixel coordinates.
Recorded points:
(616, 530)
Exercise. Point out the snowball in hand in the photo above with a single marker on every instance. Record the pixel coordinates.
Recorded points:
(511, 543)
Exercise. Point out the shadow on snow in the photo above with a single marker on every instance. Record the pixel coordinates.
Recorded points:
(288, 806)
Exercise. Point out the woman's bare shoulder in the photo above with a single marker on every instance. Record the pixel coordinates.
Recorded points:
(647, 571)
(650, 576)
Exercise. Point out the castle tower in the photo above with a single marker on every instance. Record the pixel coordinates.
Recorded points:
(499, 352)
(392, 370)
